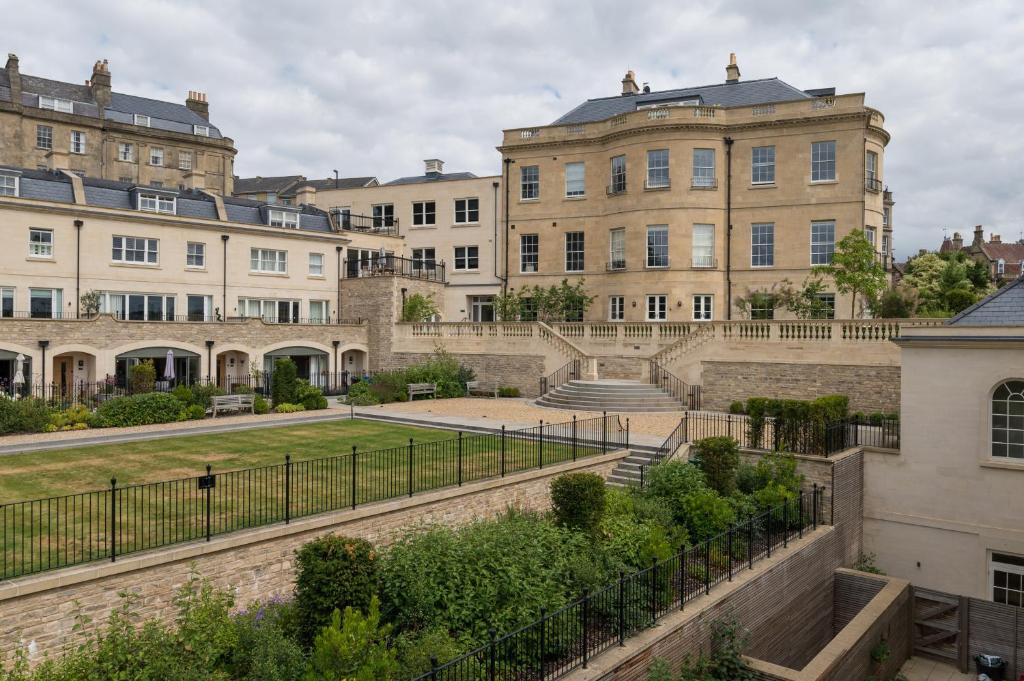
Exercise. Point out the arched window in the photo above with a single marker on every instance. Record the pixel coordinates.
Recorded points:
(1008, 420)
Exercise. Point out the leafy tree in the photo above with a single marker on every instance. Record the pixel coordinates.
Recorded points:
(805, 302)
(90, 302)
(945, 284)
(419, 308)
(353, 647)
(142, 377)
(578, 501)
(565, 302)
(855, 269)
(332, 573)
(718, 458)
(508, 306)
(284, 384)
(896, 303)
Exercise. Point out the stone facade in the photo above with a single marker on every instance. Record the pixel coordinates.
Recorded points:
(870, 388)
(514, 371)
(39, 611)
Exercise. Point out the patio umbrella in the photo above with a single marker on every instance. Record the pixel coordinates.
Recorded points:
(19, 375)
(169, 369)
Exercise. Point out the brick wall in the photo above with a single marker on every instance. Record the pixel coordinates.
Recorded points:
(40, 610)
(870, 388)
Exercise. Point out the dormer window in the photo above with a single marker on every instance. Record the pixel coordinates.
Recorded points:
(156, 203)
(201, 130)
(8, 185)
(142, 120)
(283, 218)
(1001, 267)
(56, 104)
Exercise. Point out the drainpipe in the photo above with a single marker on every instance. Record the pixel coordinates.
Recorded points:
(43, 344)
(504, 281)
(209, 359)
(728, 228)
(337, 312)
(337, 371)
(78, 268)
(495, 185)
(224, 294)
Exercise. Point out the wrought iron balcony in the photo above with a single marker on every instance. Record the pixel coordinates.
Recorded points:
(350, 222)
(703, 262)
(872, 184)
(616, 265)
(394, 266)
(704, 183)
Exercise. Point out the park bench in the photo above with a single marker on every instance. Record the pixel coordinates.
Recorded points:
(239, 402)
(422, 389)
(482, 388)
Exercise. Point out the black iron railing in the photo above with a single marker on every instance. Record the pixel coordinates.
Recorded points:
(809, 437)
(689, 395)
(381, 224)
(568, 638)
(570, 371)
(872, 184)
(57, 532)
(395, 266)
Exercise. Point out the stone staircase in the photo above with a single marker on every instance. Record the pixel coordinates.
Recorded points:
(610, 395)
(627, 472)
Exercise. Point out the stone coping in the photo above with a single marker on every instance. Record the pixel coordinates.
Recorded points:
(835, 651)
(55, 579)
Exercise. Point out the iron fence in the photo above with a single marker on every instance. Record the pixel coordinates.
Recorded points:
(570, 371)
(689, 395)
(393, 265)
(560, 641)
(61, 531)
(810, 437)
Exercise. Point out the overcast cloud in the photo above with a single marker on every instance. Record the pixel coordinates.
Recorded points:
(372, 88)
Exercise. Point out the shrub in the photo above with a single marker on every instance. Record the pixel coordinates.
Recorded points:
(142, 377)
(310, 396)
(390, 386)
(288, 408)
(443, 370)
(183, 394)
(718, 458)
(737, 407)
(706, 514)
(361, 395)
(139, 410)
(284, 384)
(266, 650)
(353, 647)
(332, 573)
(23, 416)
(195, 412)
(630, 544)
(260, 405)
(674, 478)
(201, 394)
(419, 308)
(415, 650)
(796, 422)
(75, 417)
(508, 391)
(578, 501)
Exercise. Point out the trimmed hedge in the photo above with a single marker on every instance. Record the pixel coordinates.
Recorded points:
(140, 410)
(23, 416)
(797, 422)
(718, 458)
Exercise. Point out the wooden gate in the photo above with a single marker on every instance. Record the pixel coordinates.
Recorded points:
(940, 626)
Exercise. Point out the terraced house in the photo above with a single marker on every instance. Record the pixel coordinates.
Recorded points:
(674, 204)
(95, 131)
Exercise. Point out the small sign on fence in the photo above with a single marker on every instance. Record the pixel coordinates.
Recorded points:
(207, 481)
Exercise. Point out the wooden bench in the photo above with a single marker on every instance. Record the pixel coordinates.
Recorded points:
(239, 402)
(422, 389)
(482, 388)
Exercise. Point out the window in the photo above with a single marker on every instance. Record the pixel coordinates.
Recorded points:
(869, 234)
(384, 215)
(657, 246)
(762, 306)
(316, 264)
(125, 178)
(133, 249)
(529, 182)
(201, 130)
(657, 168)
(199, 308)
(574, 251)
(268, 260)
(617, 249)
(195, 254)
(703, 167)
(703, 246)
(657, 308)
(823, 161)
(77, 142)
(616, 308)
(823, 242)
(45, 303)
(283, 218)
(575, 180)
(156, 203)
(1007, 577)
(318, 311)
(762, 244)
(44, 137)
(125, 151)
(762, 165)
(8, 185)
(1000, 267)
(156, 183)
(423, 213)
(1008, 420)
(885, 244)
(184, 160)
(6, 302)
(270, 310)
(142, 120)
(40, 243)
(529, 252)
(871, 170)
(885, 216)
(156, 156)
(481, 308)
(423, 259)
(467, 258)
(826, 308)
(702, 308)
(618, 180)
(467, 211)
(528, 310)
(56, 104)
(271, 197)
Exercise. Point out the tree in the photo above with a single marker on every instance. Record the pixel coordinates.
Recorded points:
(284, 383)
(855, 269)
(945, 284)
(419, 308)
(90, 302)
(807, 302)
(508, 306)
(353, 648)
(565, 302)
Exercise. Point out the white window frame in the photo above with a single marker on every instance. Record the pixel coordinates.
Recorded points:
(871, 165)
(9, 185)
(56, 302)
(142, 119)
(660, 312)
(6, 294)
(381, 215)
(43, 247)
(658, 176)
(422, 211)
(469, 211)
(44, 137)
(703, 174)
(267, 309)
(830, 300)
(534, 253)
(823, 161)
(656, 230)
(156, 156)
(575, 180)
(76, 144)
(325, 311)
(126, 152)
(1000, 267)
(422, 261)
(869, 234)
(283, 218)
(149, 248)
(529, 183)
(56, 104)
(201, 130)
(195, 255)
(758, 232)
(470, 252)
(184, 160)
(580, 251)
(268, 261)
(316, 269)
(617, 251)
(157, 203)
(617, 174)
(1010, 570)
(616, 308)
(702, 246)
(886, 240)
(1006, 417)
(703, 307)
(822, 251)
(762, 165)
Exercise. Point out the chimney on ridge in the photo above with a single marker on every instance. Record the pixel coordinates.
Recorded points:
(995, 239)
(732, 71)
(629, 86)
(979, 236)
(958, 241)
(305, 195)
(99, 84)
(197, 102)
(14, 76)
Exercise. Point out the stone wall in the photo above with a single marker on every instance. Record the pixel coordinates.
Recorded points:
(628, 368)
(515, 371)
(870, 388)
(39, 611)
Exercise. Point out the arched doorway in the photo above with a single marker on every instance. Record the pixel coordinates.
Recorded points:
(234, 370)
(311, 364)
(73, 374)
(186, 365)
(9, 378)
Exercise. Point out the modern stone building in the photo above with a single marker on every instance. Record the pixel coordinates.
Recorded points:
(673, 204)
(94, 131)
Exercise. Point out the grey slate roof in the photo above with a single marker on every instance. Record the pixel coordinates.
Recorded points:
(254, 185)
(743, 93)
(329, 183)
(1005, 307)
(431, 177)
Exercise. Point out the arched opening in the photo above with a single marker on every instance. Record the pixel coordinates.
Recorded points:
(354, 362)
(73, 373)
(234, 370)
(1008, 420)
(173, 366)
(15, 374)
(311, 364)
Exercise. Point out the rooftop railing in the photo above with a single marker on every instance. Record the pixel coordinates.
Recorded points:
(394, 266)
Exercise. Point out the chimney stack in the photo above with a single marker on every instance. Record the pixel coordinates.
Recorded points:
(305, 195)
(100, 84)
(629, 86)
(995, 239)
(197, 102)
(434, 166)
(732, 71)
(14, 76)
(979, 236)
(958, 241)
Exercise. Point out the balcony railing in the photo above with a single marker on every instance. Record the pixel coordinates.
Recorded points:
(704, 183)
(394, 266)
(351, 222)
(662, 183)
(704, 262)
(616, 188)
(616, 265)
(872, 184)
(36, 314)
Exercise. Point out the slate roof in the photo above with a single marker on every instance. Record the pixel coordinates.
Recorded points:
(287, 185)
(256, 185)
(1005, 307)
(431, 177)
(743, 93)
(329, 183)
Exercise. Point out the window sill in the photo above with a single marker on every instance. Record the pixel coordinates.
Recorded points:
(194, 268)
(529, 273)
(658, 189)
(656, 267)
(318, 277)
(762, 267)
(763, 185)
(254, 273)
(819, 182)
(703, 189)
(40, 258)
(423, 227)
(465, 224)
(137, 265)
(476, 271)
(1002, 465)
(536, 200)
(575, 198)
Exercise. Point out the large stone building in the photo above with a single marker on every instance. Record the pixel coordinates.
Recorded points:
(1004, 261)
(674, 204)
(92, 130)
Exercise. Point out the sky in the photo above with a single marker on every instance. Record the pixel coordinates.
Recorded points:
(373, 88)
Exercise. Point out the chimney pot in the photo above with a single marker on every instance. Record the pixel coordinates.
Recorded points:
(995, 239)
(629, 86)
(732, 71)
(196, 101)
(99, 85)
